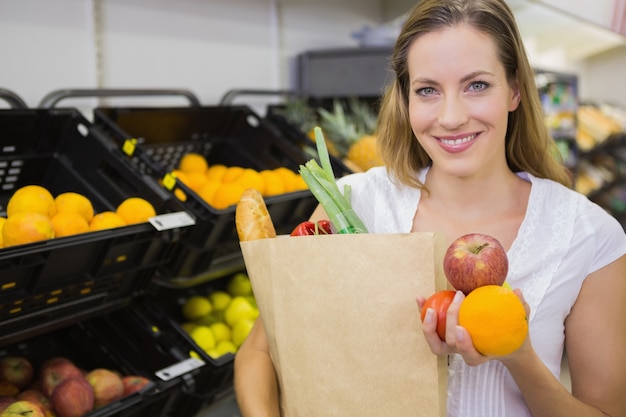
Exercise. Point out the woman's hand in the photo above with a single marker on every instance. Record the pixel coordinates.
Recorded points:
(458, 339)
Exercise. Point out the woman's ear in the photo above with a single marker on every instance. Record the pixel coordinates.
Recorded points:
(515, 96)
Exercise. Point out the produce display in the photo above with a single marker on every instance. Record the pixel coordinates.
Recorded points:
(34, 214)
(220, 320)
(477, 265)
(221, 186)
(59, 387)
(350, 128)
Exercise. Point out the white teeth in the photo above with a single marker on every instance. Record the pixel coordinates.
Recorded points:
(457, 141)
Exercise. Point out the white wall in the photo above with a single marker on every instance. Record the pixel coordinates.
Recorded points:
(206, 46)
(605, 78)
(45, 45)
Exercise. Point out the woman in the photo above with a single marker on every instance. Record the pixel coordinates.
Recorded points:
(462, 135)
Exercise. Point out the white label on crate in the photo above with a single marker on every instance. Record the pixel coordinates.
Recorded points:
(179, 368)
(172, 220)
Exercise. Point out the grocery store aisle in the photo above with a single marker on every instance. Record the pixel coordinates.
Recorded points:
(226, 407)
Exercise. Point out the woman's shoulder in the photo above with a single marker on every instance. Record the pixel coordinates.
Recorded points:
(589, 221)
(383, 204)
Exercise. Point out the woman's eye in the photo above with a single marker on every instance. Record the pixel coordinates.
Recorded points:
(426, 91)
(478, 86)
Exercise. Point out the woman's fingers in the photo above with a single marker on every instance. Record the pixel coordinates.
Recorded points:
(452, 318)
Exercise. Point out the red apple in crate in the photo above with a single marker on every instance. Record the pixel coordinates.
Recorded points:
(16, 369)
(73, 397)
(134, 383)
(107, 386)
(5, 401)
(8, 389)
(474, 260)
(55, 371)
(37, 397)
(23, 408)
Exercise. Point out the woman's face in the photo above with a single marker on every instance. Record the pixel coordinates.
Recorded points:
(459, 100)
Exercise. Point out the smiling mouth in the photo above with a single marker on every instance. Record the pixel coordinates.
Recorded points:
(457, 141)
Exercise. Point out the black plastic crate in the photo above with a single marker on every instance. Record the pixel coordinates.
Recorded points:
(156, 138)
(170, 301)
(53, 283)
(136, 340)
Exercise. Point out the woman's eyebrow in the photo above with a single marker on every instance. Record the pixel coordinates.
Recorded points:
(466, 78)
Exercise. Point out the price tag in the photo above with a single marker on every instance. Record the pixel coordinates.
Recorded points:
(169, 180)
(179, 368)
(172, 220)
(129, 146)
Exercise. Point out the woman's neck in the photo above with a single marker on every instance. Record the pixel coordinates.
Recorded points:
(476, 197)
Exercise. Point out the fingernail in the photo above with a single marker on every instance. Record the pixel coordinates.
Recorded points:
(457, 297)
(430, 314)
(459, 333)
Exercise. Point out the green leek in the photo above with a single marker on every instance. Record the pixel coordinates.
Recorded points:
(322, 184)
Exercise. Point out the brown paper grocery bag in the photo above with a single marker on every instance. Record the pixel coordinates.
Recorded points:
(343, 325)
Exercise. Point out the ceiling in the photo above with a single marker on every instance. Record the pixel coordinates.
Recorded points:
(547, 31)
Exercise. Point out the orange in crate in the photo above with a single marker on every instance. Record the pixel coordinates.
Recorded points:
(31, 198)
(135, 210)
(226, 195)
(26, 227)
(106, 220)
(68, 223)
(273, 183)
(74, 202)
(193, 162)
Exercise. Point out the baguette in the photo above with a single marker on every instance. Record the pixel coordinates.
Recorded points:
(252, 219)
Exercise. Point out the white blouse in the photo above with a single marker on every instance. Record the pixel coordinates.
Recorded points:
(563, 238)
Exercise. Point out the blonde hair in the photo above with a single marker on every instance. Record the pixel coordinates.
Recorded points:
(529, 147)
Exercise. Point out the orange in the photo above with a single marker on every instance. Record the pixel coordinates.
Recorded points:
(288, 177)
(26, 227)
(68, 223)
(272, 183)
(208, 190)
(250, 178)
(2, 221)
(195, 180)
(135, 210)
(74, 202)
(231, 174)
(226, 195)
(216, 172)
(33, 199)
(495, 318)
(193, 162)
(106, 220)
(300, 184)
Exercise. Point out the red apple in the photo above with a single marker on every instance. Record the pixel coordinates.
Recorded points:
(5, 401)
(134, 383)
(73, 397)
(37, 397)
(56, 370)
(17, 370)
(8, 389)
(474, 260)
(23, 408)
(107, 386)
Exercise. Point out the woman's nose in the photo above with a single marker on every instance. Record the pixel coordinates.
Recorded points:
(453, 112)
